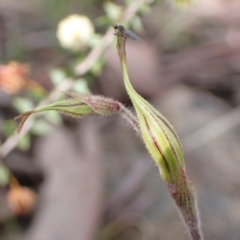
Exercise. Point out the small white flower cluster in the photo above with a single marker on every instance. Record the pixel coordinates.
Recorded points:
(75, 32)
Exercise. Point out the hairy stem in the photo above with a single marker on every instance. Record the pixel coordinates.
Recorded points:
(130, 117)
(185, 199)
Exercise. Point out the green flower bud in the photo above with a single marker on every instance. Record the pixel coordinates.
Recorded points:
(78, 106)
(157, 133)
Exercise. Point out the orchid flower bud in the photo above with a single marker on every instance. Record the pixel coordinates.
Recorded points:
(77, 106)
(157, 133)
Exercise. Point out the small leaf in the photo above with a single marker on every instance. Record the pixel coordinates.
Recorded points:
(145, 8)
(4, 175)
(37, 94)
(24, 143)
(22, 104)
(97, 67)
(8, 127)
(113, 10)
(182, 3)
(137, 24)
(57, 76)
(81, 86)
(95, 40)
(41, 127)
(103, 21)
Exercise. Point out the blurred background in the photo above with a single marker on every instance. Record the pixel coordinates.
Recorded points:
(63, 178)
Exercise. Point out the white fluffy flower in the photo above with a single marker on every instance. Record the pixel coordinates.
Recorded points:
(75, 32)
